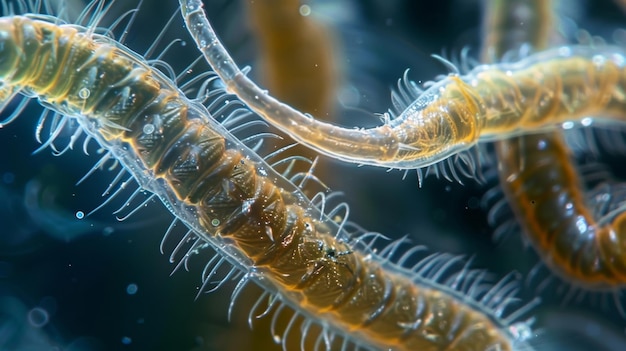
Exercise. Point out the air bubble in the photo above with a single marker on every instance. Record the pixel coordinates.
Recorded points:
(80, 214)
(84, 93)
(131, 289)
(38, 317)
(305, 10)
(148, 129)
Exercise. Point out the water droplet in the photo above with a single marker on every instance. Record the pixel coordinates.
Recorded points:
(80, 215)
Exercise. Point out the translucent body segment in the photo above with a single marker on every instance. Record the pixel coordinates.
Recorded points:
(544, 190)
(255, 218)
(490, 102)
(549, 201)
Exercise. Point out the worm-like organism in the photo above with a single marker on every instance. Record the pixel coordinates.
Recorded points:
(543, 187)
(235, 202)
(545, 192)
(490, 102)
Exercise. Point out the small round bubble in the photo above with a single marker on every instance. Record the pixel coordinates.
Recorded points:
(305, 10)
(148, 128)
(131, 289)
(80, 214)
(38, 317)
(84, 93)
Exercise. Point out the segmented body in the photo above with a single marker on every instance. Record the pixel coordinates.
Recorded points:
(233, 200)
(542, 185)
(490, 102)
(549, 201)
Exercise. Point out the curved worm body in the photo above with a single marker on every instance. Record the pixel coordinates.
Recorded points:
(490, 102)
(548, 199)
(542, 185)
(234, 201)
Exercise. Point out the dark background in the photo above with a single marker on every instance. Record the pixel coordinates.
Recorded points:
(64, 282)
